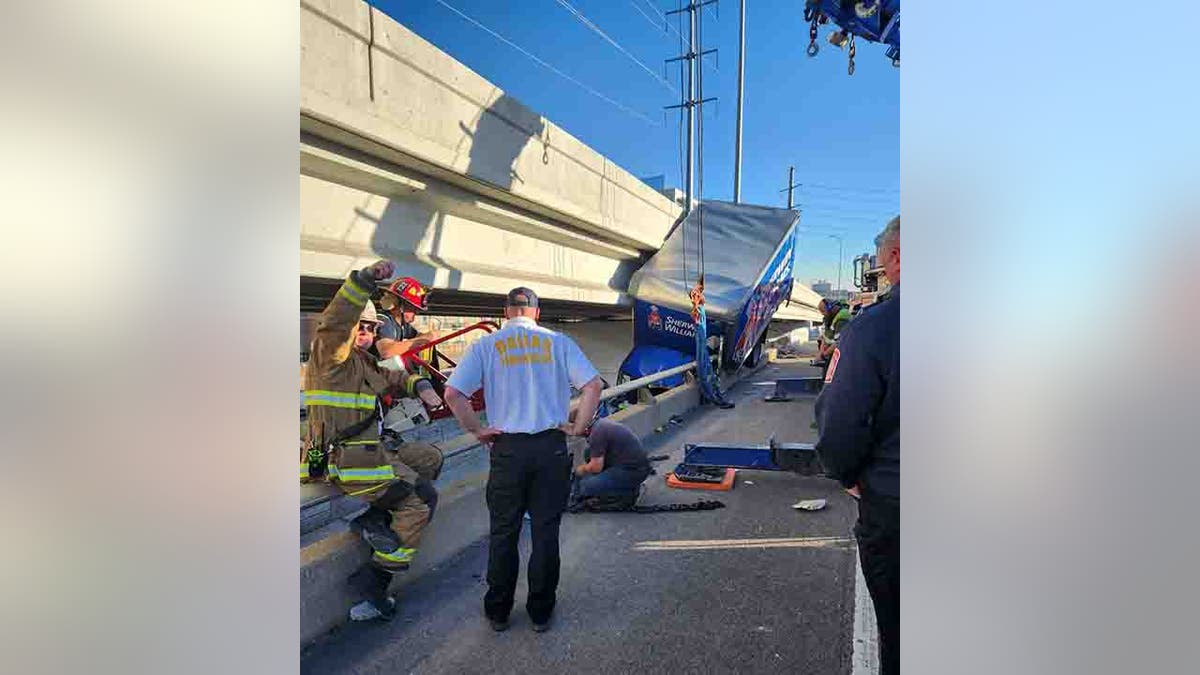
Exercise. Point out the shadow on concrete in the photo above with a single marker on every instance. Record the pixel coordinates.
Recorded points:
(498, 138)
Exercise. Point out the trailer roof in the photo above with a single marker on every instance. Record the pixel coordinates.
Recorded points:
(739, 242)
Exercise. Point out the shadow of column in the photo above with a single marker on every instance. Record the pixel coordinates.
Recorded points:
(496, 142)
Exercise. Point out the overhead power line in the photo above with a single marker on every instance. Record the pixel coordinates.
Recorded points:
(661, 20)
(596, 29)
(556, 71)
(646, 16)
(808, 207)
(856, 196)
(835, 213)
(841, 188)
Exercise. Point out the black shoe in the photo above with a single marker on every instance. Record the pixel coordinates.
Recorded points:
(541, 627)
(498, 625)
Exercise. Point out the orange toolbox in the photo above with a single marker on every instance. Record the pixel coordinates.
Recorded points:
(702, 478)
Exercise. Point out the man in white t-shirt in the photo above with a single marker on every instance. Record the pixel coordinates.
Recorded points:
(526, 372)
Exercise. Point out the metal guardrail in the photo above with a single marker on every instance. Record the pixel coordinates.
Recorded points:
(627, 387)
(608, 393)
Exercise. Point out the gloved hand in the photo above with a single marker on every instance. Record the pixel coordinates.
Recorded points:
(371, 275)
(380, 270)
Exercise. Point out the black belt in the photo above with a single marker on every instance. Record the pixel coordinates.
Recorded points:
(536, 434)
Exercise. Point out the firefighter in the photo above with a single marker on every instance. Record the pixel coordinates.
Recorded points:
(858, 413)
(401, 301)
(836, 316)
(342, 383)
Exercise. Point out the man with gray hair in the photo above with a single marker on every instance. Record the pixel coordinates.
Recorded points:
(858, 422)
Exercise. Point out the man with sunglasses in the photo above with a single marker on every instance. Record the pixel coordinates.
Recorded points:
(368, 328)
(342, 384)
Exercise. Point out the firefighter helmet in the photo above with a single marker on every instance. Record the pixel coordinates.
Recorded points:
(410, 291)
(369, 314)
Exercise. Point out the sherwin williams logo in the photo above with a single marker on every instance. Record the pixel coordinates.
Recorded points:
(653, 319)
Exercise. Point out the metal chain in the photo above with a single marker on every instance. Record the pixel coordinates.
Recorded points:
(546, 148)
(812, 37)
(850, 68)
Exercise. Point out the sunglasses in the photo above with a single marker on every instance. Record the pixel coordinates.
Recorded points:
(366, 326)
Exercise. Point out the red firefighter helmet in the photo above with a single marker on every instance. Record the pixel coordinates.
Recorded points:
(410, 291)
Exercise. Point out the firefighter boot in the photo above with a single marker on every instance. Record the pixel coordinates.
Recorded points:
(372, 583)
(366, 610)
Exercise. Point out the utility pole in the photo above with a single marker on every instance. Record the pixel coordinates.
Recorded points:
(791, 184)
(689, 103)
(741, 82)
(841, 241)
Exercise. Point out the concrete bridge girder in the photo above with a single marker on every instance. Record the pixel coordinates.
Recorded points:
(371, 84)
(451, 244)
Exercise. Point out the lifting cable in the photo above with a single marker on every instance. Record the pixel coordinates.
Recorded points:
(705, 376)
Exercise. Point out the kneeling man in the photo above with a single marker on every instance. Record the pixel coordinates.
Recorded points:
(614, 469)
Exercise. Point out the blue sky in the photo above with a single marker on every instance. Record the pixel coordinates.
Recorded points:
(841, 133)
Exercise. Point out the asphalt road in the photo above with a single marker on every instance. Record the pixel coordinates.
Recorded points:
(632, 599)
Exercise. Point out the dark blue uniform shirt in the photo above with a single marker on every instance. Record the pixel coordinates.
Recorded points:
(858, 411)
(395, 330)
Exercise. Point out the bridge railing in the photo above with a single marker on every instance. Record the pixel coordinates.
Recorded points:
(632, 385)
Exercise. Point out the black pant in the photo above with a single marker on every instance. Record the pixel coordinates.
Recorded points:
(878, 534)
(529, 472)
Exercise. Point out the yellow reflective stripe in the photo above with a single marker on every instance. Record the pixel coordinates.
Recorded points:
(340, 394)
(410, 384)
(399, 555)
(366, 490)
(370, 442)
(357, 302)
(330, 471)
(338, 404)
(363, 474)
(353, 292)
(339, 399)
(355, 287)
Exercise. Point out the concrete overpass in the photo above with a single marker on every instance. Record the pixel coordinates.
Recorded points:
(407, 154)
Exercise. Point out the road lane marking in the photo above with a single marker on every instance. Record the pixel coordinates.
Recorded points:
(865, 659)
(711, 544)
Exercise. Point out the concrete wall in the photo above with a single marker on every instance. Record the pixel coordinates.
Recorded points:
(803, 306)
(408, 153)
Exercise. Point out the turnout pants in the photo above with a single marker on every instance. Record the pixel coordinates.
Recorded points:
(408, 511)
(404, 504)
(878, 535)
(529, 472)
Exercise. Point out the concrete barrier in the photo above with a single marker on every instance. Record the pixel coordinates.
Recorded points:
(331, 552)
